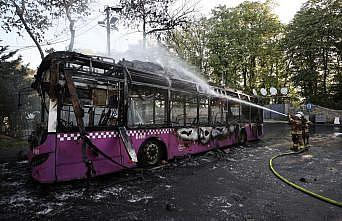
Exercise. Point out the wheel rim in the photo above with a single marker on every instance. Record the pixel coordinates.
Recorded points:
(151, 153)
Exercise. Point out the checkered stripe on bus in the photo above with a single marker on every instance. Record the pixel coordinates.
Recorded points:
(92, 135)
(142, 134)
(138, 134)
(148, 132)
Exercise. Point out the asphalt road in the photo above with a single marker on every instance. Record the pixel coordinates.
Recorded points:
(237, 185)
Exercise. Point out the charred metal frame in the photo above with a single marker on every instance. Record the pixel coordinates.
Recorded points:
(95, 70)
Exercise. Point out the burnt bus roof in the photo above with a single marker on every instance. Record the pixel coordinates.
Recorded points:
(139, 72)
(143, 73)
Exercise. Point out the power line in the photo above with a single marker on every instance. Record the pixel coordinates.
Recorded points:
(77, 29)
(56, 41)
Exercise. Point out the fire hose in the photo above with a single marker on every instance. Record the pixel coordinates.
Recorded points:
(315, 195)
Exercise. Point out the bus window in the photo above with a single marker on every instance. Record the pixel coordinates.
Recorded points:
(100, 108)
(245, 110)
(146, 106)
(159, 109)
(99, 97)
(140, 109)
(67, 117)
(245, 113)
(203, 111)
(105, 109)
(218, 116)
(233, 112)
(177, 109)
(191, 111)
(255, 115)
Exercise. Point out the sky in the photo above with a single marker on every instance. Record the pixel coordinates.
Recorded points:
(91, 38)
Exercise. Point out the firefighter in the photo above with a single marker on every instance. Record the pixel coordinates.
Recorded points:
(296, 131)
(306, 131)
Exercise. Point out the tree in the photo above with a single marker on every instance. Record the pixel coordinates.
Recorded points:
(313, 44)
(29, 15)
(244, 42)
(70, 8)
(13, 77)
(155, 16)
(190, 43)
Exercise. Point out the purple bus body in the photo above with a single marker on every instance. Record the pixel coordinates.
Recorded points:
(64, 150)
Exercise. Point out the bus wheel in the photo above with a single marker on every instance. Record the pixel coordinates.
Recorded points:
(242, 138)
(150, 153)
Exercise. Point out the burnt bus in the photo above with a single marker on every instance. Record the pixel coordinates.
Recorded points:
(99, 116)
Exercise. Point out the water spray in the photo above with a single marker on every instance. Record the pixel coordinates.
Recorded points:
(179, 69)
(248, 103)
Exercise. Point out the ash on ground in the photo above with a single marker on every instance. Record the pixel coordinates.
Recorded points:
(231, 184)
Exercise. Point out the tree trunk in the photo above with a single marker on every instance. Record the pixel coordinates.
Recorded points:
(325, 74)
(71, 28)
(244, 74)
(20, 13)
(144, 31)
(251, 71)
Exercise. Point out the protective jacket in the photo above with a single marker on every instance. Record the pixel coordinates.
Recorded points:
(296, 125)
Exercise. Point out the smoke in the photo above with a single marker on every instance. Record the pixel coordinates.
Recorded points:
(174, 66)
(158, 54)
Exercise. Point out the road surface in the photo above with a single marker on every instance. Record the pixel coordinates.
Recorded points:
(237, 185)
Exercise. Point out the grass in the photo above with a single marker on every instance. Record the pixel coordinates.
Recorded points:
(9, 142)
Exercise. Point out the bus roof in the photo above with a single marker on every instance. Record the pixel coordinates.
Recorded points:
(104, 70)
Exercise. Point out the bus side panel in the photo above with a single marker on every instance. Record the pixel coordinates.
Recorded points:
(248, 128)
(179, 147)
(214, 143)
(254, 131)
(42, 160)
(138, 137)
(175, 145)
(69, 157)
(224, 142)
(167, 136)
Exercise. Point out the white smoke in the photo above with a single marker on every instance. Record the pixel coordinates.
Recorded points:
(180, 69)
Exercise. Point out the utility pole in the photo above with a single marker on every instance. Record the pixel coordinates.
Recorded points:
(108, 30)
(109, 22)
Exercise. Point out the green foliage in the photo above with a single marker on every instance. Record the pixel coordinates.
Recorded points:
(29, 15)
(244, 44)
(313, 44)
(36, 16)
(190, 43)
(33, 13)
(248, 48)
(13, 78)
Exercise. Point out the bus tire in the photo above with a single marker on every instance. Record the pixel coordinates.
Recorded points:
(242, 138)
(150, 153)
